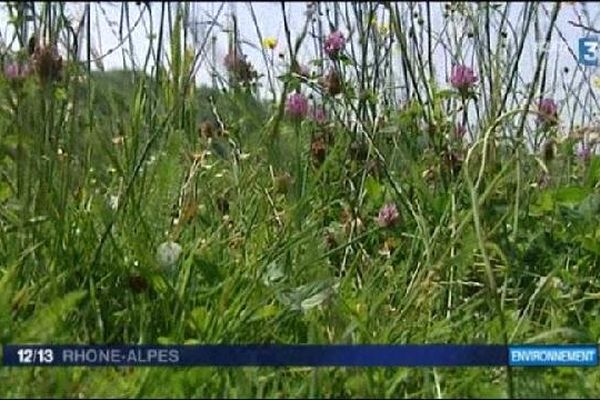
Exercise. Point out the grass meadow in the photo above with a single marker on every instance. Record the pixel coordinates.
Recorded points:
(365, 194)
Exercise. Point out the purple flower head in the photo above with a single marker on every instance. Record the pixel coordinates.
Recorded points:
(548, 111)
(297, 106)
(462, 77)
(584, 153)
(334, 43)
(318, 115)
(388, 215)
(15, 71)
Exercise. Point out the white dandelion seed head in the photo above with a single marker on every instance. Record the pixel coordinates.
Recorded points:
(113, 202)
(168, 253)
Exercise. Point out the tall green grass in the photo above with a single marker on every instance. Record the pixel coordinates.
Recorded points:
(496, 239)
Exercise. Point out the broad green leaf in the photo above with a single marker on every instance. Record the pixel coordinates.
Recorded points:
(590, 244)
(570, 195)
(6, 294)
(47, 318)
(315, 300)
(590, 206)
(165, 340)
(593, 174)
(5, 192)
(544, 204)
(265, 312)
(273, 274)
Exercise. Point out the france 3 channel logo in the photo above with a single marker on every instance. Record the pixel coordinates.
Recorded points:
(589, 50)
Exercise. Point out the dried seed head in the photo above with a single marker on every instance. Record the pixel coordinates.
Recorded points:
(548, 150)
(48, 64)
(453, 161)
(318, 150)
(207, 129)
(359, 151)
(137, 283)
(331, 83)
(282, 183)
(223, 205)
(330, 240)
(239, 68)
(31, 45)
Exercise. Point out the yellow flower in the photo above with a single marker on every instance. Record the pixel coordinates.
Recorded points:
(596, 81)
(269, 42)
(384, 29)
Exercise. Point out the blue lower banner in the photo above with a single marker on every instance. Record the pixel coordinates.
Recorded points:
(300, 355)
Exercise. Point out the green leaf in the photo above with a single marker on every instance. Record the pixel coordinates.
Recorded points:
(374, 190)
(265, 312)
(316, 300)
(6, 294)
(560, 334)
(593, 175)
(165, 340)
(344, 59)
(590, 206)
(199, 318)
(570, 196)
(305, 297)
(5, 192)
(447, 94)
(44, 323)
(544, 204)
(60, 94)
(273, 274)
(590, 244)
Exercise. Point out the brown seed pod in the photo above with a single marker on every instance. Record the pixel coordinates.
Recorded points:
(374, 168)
(32, 45)
(318, 150)
(359, 151)
(453, 161)
(48, 64)
(240, 69)
(223, 205)
(429, 175)
(330, 241)
(137, 283)
(548, 150)
(206, 129)
(331, 83)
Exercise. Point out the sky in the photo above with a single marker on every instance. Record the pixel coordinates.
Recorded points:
(106, 44)
(106, 17)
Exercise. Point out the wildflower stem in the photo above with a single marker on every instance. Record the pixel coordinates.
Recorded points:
(490, 275)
